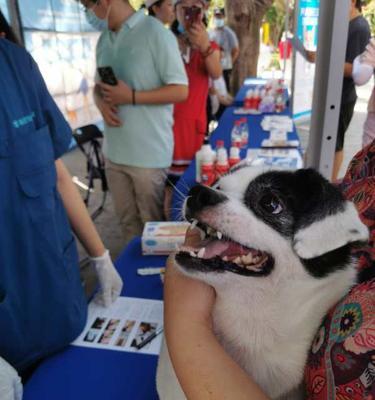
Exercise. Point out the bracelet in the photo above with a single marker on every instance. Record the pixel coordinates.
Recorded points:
(133, 97)
(208, 52)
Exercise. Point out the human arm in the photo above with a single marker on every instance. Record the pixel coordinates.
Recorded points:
(311, 56)
(123, 94)
(199, 38)
(204, 370)
(10, 382)
(84, 228)
(356, 45)
(234, 45)
(235, 53)
(348, 67)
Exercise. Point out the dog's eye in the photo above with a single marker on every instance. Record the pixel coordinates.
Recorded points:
(271, 204)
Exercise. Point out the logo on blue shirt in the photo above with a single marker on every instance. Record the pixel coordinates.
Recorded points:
(27, 119)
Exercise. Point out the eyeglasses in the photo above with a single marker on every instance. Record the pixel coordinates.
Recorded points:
(93, 4)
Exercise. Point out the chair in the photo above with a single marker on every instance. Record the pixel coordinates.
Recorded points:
(88, 140)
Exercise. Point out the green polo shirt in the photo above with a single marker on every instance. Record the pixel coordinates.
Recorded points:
(145, 56)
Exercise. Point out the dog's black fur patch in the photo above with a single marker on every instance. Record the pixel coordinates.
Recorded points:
(327, 263)
(304, 195)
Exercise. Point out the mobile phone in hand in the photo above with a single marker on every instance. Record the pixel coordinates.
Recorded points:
(192, 15)
(107, 75)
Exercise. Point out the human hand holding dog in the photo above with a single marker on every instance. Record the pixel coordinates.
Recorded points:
(204, 369)
(187, 296)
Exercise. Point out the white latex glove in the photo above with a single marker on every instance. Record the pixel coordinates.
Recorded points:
(109, 280)
(10, 382)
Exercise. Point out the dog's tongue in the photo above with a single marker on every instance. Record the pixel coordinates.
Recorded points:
(224, 248)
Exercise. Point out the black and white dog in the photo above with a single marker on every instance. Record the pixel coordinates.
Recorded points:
(276, 246)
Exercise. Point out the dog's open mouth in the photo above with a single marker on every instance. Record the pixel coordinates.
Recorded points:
(218, 253)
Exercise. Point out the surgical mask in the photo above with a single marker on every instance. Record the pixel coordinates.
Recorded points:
(97, 23)
(219, 23)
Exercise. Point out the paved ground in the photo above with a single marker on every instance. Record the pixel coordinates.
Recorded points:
(107, 223)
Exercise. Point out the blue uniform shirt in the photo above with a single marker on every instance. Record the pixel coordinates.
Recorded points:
(42, 303)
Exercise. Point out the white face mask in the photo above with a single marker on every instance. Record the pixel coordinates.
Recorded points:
(219, 23)
(96, 22)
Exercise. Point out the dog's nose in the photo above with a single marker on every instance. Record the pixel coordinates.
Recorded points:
(200, 197)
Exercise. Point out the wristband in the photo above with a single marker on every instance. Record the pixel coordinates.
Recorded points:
(208, 52)
(133, 97)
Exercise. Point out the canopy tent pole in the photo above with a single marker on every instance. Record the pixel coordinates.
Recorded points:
(15, 19)
(333, 27)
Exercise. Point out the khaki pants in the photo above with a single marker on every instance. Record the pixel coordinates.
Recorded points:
(138, 195)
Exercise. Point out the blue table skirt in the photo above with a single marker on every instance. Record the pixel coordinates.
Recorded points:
(79, 373)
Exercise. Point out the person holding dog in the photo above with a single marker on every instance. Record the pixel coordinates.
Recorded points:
(43, 306)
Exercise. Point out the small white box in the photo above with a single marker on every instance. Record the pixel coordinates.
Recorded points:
(163, 238)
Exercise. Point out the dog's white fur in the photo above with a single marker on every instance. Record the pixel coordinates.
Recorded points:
(267, 324)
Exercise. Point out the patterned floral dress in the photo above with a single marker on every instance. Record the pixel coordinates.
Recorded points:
(341, 362)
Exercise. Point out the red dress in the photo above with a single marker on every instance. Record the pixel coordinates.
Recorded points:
(190, 117)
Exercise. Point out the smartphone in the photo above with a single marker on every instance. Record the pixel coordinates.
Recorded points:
(107, 75)
(192, 15)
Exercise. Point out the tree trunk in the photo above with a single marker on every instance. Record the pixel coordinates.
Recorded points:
(245, 18)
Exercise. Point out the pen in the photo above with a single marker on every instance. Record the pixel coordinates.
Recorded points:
(148, 339)
(150, 271)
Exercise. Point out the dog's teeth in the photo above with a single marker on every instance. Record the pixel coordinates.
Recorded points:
(219, 235)
(194, 224)
(225, 258)
(201, 252)
(237, 260)
(202, 234)
(247, 259)
(192, 254)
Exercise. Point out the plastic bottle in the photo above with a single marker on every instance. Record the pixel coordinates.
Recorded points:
(244, 133)
(279, 104)
(236, 132)
(222, 164)
(249, 99)
(205, 151)
(257, 99)
(219, 145)
(208, 175)
(234, 156)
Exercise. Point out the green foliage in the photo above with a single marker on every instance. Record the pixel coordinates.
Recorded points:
(136, 3)
(369, 13)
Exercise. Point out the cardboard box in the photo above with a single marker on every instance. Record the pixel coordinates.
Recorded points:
(163, 238)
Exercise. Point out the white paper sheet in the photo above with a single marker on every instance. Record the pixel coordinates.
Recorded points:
(124, 324)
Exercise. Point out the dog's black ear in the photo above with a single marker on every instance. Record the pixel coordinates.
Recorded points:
(326, 221)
